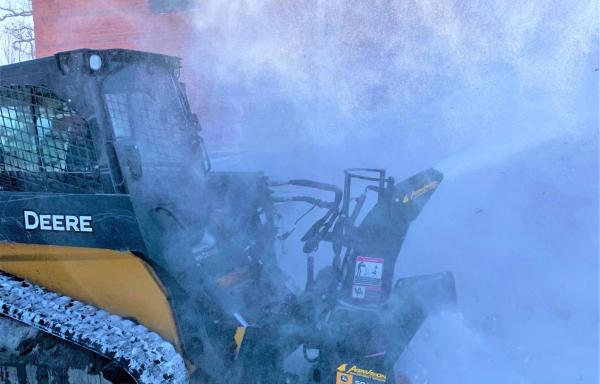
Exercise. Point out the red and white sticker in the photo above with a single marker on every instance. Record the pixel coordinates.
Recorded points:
(368, 271)
(366, 292)
(367, 278)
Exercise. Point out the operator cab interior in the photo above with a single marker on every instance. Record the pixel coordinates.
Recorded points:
(96, 121)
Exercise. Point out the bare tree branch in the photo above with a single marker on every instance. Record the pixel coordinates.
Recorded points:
(12, 10)
(17, 28)
(14, 13)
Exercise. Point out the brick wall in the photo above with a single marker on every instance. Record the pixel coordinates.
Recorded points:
(63, 25)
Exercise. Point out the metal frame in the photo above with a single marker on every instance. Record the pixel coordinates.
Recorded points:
(45, 145)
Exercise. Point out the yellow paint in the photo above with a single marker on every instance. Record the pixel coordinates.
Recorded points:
(368, 373)
(118, 282)
(240, 332)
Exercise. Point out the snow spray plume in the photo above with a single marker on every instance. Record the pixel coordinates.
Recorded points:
(503, 98)
(500, 97)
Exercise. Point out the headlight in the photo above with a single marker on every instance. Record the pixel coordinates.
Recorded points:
(95, 62)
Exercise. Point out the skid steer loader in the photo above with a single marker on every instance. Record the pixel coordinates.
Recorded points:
(124, 258)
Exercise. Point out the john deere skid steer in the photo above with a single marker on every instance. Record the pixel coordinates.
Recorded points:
(124, 258)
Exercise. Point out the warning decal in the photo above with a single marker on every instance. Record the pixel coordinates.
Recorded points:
(368, 271)
(367, 278)
(366, 292)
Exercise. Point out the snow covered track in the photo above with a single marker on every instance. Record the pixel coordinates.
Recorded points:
(144, 354)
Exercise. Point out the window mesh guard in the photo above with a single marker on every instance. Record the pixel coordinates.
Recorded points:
(44, 145)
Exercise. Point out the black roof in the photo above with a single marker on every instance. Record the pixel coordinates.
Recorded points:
(33, 71)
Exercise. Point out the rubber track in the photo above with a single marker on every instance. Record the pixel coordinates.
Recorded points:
(144, 354)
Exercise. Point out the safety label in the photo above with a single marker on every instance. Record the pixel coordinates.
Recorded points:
(366, 292)
(367, 278)
(368, 271)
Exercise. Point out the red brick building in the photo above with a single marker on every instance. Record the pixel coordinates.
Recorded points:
(154, 25)
(162, 26)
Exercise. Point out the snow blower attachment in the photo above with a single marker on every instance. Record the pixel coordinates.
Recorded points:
(124, 253)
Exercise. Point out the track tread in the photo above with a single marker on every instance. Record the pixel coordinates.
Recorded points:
(144, 354)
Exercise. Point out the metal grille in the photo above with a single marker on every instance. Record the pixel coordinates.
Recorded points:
(44, 144)
(153, 126)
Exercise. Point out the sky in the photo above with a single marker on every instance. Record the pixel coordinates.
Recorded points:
(501, 97)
